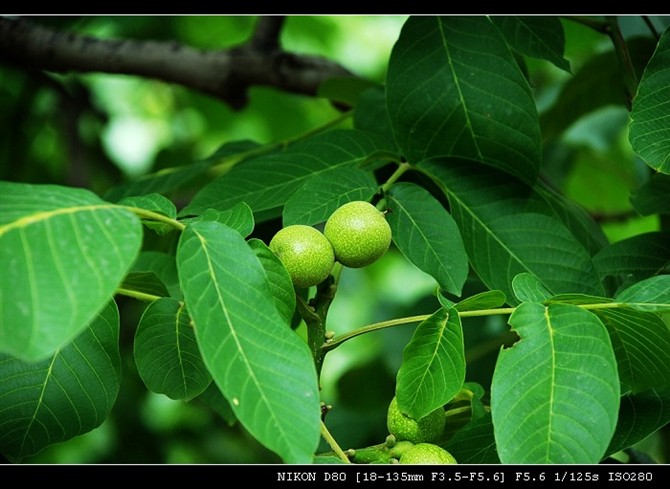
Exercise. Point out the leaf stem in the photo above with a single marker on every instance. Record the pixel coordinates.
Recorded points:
(621, 49)
(402, 168)
(155, 216)
(337, 341)
(138, 295)
(333, 444)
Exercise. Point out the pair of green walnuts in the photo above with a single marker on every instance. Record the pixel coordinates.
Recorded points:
(355, 235)
(420, 435)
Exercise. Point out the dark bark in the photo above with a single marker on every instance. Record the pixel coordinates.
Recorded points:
(224, 74)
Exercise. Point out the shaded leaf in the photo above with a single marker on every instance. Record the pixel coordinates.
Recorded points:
(475, 443)
(63, 253)
(63, 396)
(371, 114)
(427, 235)
(555, 393)
(651, 294)
(650, 117)
(433, 365)
(455, 89)
(278, 279)
(322, 194)
(262, 367)
(169, 179)
(539, 37)
(515, 233)
(344, 90)
(166, 352)
(635, 258)
(597, 83)
(266, 182)
(653, 197)
(641, 343)
(213, 398)
(640, 415)
(162, 265)
(152, 202)
(144, 283)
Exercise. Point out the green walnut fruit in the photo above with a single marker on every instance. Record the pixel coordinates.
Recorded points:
(305, 253)
(427, 429)
(359, 234)
(428, 454)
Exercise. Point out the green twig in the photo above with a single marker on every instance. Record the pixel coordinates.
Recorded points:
(142, 296)
(333, 444)
(155, 216)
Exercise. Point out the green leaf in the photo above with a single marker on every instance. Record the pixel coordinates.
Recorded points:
(427, 235)
(515, 233)
(281, 285)
(433, 365)
(651, 294)
(63, 253)
(598, 83)
(266, 182)
(163, 266)
(650, 117)
(639, 416)
(528, 288)
(155, 203)
(145, 283)
(635, 258)
(641, 342)
(455, 89)
(321, 194)
(475, 443)
(239, 217)
(371, 114)
(555, 393)
(169, 179)
(484, 300)
(653, 196)
(166, 352)
(344, 90)
(213, 399)
(63, 396)
(152, 202)
(262, 367)
(539, 37)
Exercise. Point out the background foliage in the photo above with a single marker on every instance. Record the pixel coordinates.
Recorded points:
(103, 132)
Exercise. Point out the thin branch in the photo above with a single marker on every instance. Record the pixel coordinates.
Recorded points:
(224, 74)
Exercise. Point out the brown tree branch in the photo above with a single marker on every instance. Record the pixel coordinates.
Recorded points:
(224, 74)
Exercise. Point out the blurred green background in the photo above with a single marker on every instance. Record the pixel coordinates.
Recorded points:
(99, 130)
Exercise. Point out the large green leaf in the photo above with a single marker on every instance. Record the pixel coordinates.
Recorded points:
(641, 342)
(63, 253)
(598, 83)
(653, 197)
(168, 179)
(555, 393)
(427, 235)
(262, 367)
(65, 395)
(518, 232)
(321, 194)
(635, 258)
(166, 352)
(266, 182)
(475, 443)
(651, 294)
(640, 415)
(433, 365)
(650, 117)
(455, 89)
(539, 37)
